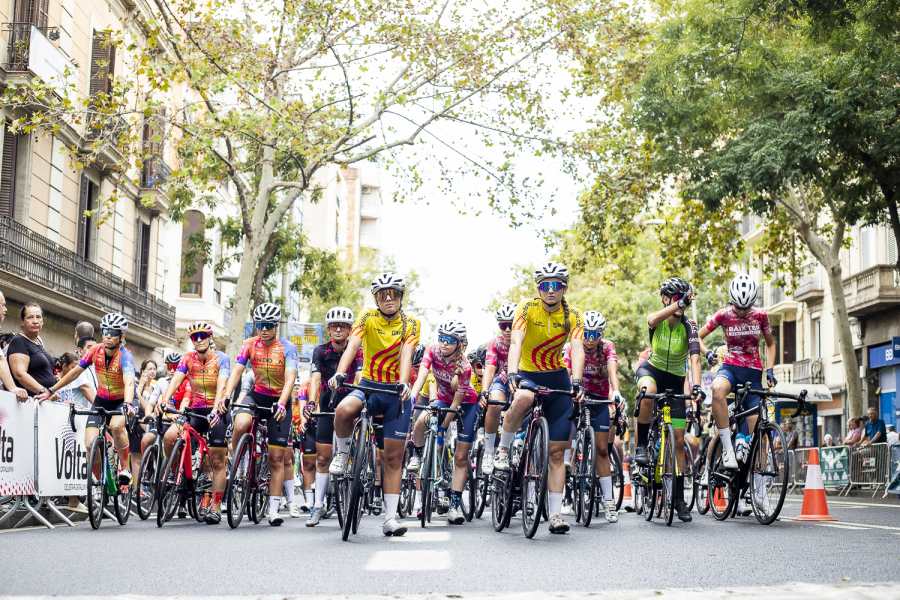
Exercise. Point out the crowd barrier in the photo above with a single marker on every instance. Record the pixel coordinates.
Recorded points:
(41, 458)
(874, 467)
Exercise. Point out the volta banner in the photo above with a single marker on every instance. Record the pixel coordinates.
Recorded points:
(16, 446)
(62, 457)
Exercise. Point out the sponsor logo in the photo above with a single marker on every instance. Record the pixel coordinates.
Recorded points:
(7, 446)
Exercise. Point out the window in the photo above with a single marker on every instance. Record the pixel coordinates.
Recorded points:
(103, 62)
(193, 239)
(788, 342)
(87, 202)
(142, 255)
(31, 11)
(816, 337)
(867, 241)
(8, 172)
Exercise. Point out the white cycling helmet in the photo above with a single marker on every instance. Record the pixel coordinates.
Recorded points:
(742, 291)
(551, 270)
(454, 328)
(506, 312)
(114, 320)
(339, 314)
(266, 313)
(388, 281)
(594, 321)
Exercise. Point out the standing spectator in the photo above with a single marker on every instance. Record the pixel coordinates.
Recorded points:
(893, 438)
(29, 361)
(6, 378)
(136, 429)
(876, 433)
(790, 434)
(84, 329)
(828, 440)
(855, 434)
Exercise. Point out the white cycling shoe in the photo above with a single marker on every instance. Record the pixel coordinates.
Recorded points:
(339, 463)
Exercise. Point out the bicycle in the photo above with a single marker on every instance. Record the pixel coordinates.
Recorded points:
(330, 501)
(583, 480)
(657, 480)
(767, 467)
(410, 478)
(247, 490)
(479, 484)
(148, 473)
(183, 477)
(432, 473)
(103, 468)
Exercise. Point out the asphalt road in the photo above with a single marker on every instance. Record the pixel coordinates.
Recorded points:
(186, 558)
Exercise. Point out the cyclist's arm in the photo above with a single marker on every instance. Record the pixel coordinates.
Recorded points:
(406, 352)
(576, 352)
(654, 319)
(353, 345)
(290, 375)
(222, 381)
(515, 351)
(420, 381)
(65, 380)
(128, 379)
(612, 368)
(487, 377)
(315, 381)
(770, 350)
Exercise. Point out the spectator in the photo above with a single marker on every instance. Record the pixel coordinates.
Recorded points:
(145, 386)
(80, 393)
(875, 432)
(893, 438)
(29, 361)
(6, 378)
(790, 434)
(828, 440)
(854, 435)
(83, 329)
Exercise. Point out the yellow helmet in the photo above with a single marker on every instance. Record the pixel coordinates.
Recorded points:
(199, 327)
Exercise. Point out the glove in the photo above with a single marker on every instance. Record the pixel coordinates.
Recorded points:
(697, 392)
(280, 411)
(337, 380)
(403, 388)
(617, 398)
(577, 392)
(770, 377)
(514, 380)
(213, 418)
(711, 358)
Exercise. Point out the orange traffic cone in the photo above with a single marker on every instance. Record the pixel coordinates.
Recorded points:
(628, 495)
(719, 499)
(815, 507)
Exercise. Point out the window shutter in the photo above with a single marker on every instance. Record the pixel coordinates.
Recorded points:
(102, 61)
(8, 174)
(892, 248)
(39, 17)
(84, 194)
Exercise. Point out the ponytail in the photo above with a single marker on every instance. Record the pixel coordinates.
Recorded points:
(566, 323)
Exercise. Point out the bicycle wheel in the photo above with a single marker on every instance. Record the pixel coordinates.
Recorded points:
(122, 499)
(470, 492)
(146, 484)
(701, 489)
(690, 489)
(341, 495)
(237, 493)
(167, 493)
(425, 479)
(722, 495)
(640, 495)
(769, 473)
(574, 478)
(481, 482)
(96, 490)
(359, 456)
(589, 479)
(618, 477)
(669, 468)
(260, 498)
(501, 504)
(407, 485)
(534, 478)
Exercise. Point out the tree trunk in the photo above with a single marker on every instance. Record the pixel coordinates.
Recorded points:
(243, 295)
(845, 339)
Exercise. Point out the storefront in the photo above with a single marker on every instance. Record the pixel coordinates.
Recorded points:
(804, 424)
(885, 361)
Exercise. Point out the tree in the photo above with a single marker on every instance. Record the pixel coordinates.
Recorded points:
(264, 96)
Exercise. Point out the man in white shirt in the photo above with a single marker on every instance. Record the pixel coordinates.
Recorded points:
(893, 438)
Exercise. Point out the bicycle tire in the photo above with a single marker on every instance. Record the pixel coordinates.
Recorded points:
(359, 454)
(202, 487)
(573, 481)
(425, 479)
(591, 482)
(482, 482)
(340, 493)
(670, 469)
(618, 476)
(534, 476)
(701, 490)
(96, 490)
(260, 496)
(470, 491)
(147, 478)
(407, 491)
(775, 452)
(501, 505)
(237, 492)
(122, 501)
(688, 477)
(718, 483)
(167, 494)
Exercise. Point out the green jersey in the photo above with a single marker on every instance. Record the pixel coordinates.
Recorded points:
(673, 345)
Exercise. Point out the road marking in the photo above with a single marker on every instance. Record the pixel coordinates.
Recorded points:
(423, 537)
(409, 560)
(32, 528)
(848, 503)
(840, 526)
(427, 525)
(870, 526)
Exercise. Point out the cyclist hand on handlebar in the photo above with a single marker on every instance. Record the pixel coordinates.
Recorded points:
(514, 380)
(577, 390)
(698, 393)
(404, 390)
(483, 399)
(711, 358)
(770, 378)
(337, 380)
(280, 410)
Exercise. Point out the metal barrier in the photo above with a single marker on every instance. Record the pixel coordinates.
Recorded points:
(835, 465)
(799, 458)
(870, 467)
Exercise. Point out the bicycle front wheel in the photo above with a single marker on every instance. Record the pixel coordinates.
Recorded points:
(167, 494)
(769, 473)
(237, 494)
(359, 457)
(407, 485)
(690, 485)
(701, 480)
(260, 496)
(481, 482)
(669, 469)
(146, 484)
(96, 488)
(618, 477)
(534, 476)
(425, 479)
(721, 491)
(587, 477)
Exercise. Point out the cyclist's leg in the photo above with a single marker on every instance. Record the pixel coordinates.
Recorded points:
(308, 464)
(169, 438)
(499, 392)
(91, 430)
(218, 446)
(646, 379)
(557, 410)
(119, 434)
(344, 416)
(465, 435)
(397, 415)
(600, 423)
(135, 434)
(324, 449)
(241, 420)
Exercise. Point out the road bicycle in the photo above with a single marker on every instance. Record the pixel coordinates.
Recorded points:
(410, 478)
(765, 475)
(247, 491)
(478, 490)
(183, 478)
(103, 484)
(583, 480)
(330, 496)
(433, 480)
(148, 473)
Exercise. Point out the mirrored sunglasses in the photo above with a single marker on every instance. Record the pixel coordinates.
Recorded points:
(505, 325)
(200, 336)
(551, 286)
(111, 332)
(266, 325)
(592, 335)
(447, 339)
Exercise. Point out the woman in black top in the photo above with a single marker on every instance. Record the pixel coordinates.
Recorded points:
(29, 361)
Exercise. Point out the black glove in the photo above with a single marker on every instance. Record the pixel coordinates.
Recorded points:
(711, 358)
(576, 388)
(770, 377)
(697, 392)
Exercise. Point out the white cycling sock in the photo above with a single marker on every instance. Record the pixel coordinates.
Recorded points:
(489, 443)
(309, 496)
(506, 438)
(321, 489)
(554, 502)
(343, 444)
(274, 501)
(567, 456)
(725, 437)
(606, 487)
(418, 503)
(390, 506)
(289, 490)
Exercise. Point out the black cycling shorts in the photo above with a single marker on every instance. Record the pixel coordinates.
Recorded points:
(664, 381)
(325, 429)
(97, 420)
(279, 431)
(215, 436)
(557, 407)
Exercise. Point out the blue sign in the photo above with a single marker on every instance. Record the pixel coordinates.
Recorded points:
(885, 355)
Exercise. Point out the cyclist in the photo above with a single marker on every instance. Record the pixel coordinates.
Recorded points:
(495, 375)
(674, 343)
(114, 367)
(601, 382)
(476, 359)
(273, 361)
(452, 372)
(325, 359)
(541, 327)
(206, 371)
(388, 337)
(743, 325)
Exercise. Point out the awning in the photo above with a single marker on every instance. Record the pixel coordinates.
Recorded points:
(815, 392)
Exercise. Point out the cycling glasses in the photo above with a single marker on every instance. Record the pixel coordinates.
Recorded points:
(592, 336)
(266, 325)
(551, 286)
(111, 332)
(505, 325)
(447, 339)
(200, 336)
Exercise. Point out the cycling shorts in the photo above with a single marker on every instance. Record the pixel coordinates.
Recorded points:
(557, 407)
(466, 422)
(325, 429)
(308, 441)
(500, 384)
(97, 420)
(664, 381)
(215, 436)
(395, 412)
(279, 431)
(739, 376)
(599, 415)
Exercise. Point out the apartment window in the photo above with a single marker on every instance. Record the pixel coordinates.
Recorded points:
(193, 232)
(103, 62)
(33, 12)
(142, 255)
(816, 334)
(788, 342)
(891, 248)
(8, 171)
(867, 241)
(87, 231)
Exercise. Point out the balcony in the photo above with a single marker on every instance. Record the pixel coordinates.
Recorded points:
(808, 370)
(784, 373)
(776, 303)
(154, 175)
(810, 288)
(28, 51)
(73, 280)
(875, 289)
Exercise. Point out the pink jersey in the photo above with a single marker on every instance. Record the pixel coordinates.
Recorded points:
(742, 335)
(497, 355)
(596, 367)
(444, 372)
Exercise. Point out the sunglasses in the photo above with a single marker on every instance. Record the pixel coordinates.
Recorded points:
(551, 286)
(199, 337)
(447, 339)
(266, 325)
(111, 332)
(505, 325)
(477, 365)
(592, 336)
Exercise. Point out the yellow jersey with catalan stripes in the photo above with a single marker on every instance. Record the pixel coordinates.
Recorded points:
(545, 335)
(476, 382)
(382, 339)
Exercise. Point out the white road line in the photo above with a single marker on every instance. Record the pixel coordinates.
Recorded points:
(409, 560)
(840, 526)
(847, 503)
(423, 537)
(32, 528)
(870, 526)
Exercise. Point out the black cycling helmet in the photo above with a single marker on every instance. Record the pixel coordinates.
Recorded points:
(674, 286)
(418, 353)
(478, 355)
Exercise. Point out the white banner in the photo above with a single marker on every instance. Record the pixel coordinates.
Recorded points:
(62, 457)
(16, 446)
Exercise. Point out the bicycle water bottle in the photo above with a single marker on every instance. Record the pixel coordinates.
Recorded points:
(742, 447)
(112, 482)
(440, 439)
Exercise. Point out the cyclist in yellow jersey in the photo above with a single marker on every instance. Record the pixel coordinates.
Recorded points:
(541, 327)
(476, 359)
(388, 337)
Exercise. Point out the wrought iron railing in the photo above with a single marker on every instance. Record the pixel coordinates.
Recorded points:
(18, 43)
(154, 173)
(31, 256)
